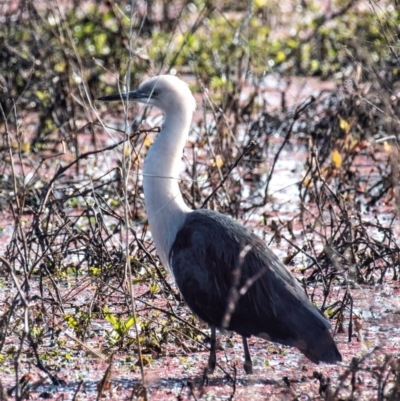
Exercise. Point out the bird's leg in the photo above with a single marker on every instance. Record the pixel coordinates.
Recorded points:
(248, 365)
(212, 360)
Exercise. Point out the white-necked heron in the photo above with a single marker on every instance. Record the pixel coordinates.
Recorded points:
(221, 269)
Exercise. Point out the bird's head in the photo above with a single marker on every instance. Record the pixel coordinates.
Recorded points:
(166, 92)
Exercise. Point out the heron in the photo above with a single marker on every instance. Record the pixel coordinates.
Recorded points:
(226, 274)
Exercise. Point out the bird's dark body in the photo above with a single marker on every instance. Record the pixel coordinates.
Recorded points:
(208, 249)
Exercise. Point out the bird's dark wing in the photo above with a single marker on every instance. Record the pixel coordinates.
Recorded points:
(209, 250)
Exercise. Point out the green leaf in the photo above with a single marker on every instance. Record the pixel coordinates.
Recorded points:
(129, 323)
(112, 319)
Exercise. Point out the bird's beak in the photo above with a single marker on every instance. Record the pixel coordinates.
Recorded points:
(133, 95)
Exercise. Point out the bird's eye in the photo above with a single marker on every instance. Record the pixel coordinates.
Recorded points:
(155, 93)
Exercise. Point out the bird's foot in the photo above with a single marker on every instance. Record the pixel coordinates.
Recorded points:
(248, 367)
(210, 368)
(207, 371)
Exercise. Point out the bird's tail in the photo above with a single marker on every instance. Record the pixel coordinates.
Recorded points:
(323, 349)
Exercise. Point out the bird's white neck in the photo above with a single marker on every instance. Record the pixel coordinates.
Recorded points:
(166, 209)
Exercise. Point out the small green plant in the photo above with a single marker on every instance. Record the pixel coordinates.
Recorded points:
(121, 327)
(78, 323)
(185, 363)
(93, 271)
